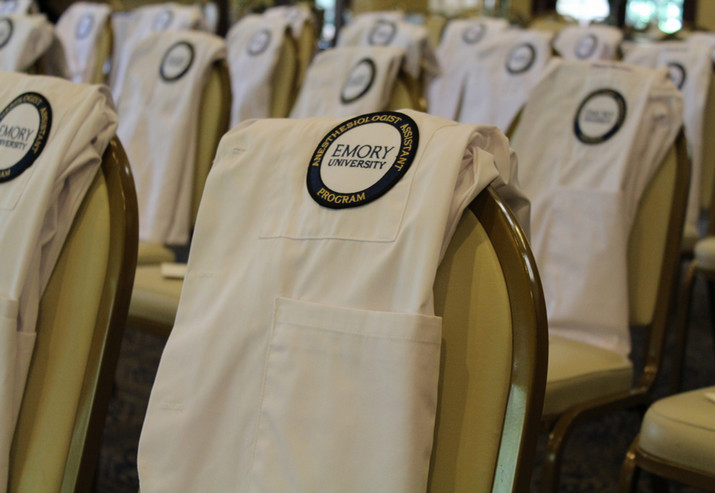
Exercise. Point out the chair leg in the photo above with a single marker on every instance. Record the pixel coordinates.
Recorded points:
(630, 472)
(551, 467)
(681, 328)
(660, 485)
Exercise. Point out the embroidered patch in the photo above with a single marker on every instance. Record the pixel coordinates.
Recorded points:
(521, 58)
(259, 42)
(8, 7)
(361, 159)
(6, 28)
(84, 26)
(600, 116)
(162, 20)
(24, 129)
(382, 33)
(586, 46)
(474, 33)
(359, 81)
(677, 74)
(177, 61)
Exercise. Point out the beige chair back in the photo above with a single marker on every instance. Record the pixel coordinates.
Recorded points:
(306, 45)
(103, 54)
(79, 332)
(494, 355)
(403, 94)
(285, 78)
(707, 177)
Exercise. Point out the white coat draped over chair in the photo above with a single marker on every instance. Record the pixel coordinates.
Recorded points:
(24, 39)
(130, 28)
(587, 43)
(349, 81)
(19, 7)
(256, 57)
(54, 135)
(690, 68)
(328, 382)
(158, 122)
(501, 75)
(80, 28)
(461, 40)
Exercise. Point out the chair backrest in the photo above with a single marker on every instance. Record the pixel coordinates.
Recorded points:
(494, 353)
(404, 95)
(79, 330)
(286, 77)
(707, 176)
(654, 251)
(102, 54)
(214, 116)
(307, 43)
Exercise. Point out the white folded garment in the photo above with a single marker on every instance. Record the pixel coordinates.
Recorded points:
(348, 81)
(588, 42)
(501, 76)
(461, 40)
(79, 29)
(254, 47)
(158, 125)
(305, 346)
(52, 136)
(298, 16)
(690, 68)
(23, 40)
(413, 39)
(132, 28)
(589, 140)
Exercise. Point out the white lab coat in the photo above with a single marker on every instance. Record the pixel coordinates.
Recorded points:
(23, 40)
(592, 42)
(306, 347)
(74, 123)
(79, 29)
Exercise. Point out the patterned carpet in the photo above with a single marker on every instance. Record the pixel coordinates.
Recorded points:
(594, 454)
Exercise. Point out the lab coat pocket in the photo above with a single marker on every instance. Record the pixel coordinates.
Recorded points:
(348, 401)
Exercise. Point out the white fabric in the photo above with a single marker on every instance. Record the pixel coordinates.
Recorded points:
(461, 40)
(254, 47)
(413, 39)
(308, 350)
(36, 211)
(23, 40)
(584, 196)
(336, 78)
(690, 68)
(703, 37)
(79, 29)
(134, 27)
(298, 16)
(503, 73)
(372, 16)
(588, 42)
(158, 125)
(17, 7)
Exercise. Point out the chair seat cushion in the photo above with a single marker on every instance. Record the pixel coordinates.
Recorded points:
(153, 253)
(579, 372)
(705, 253)
(681, 429)
(155, 298)
(691, 235)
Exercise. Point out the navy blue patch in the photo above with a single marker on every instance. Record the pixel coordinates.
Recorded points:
(21, 144)
(6, 29)
(474, 34)
(162, 20)
(84, 26)
(677, 74)
(359, 81)
(521, 58)
(384, 165)
(176, 61)
(259, 42)
(600, 116)
(382, 33)
(586, 46)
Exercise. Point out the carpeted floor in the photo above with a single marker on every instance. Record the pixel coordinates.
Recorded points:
(594, 454)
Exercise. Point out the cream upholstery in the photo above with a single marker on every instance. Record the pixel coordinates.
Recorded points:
(154, 299)
(691, 235)
(81, 319)
(286, 76)
(151, 253)
(705, 253)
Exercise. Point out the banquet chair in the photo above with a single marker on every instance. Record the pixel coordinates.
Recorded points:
(494, 352)
(288, 75)
(81, 320)
(585, 381)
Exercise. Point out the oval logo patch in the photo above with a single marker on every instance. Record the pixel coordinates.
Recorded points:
(6, 28)
(359, 81)
(259, 42)
(677, 74)
(521, 58)
(177, 61)
(586, 46)
(473, 34)
(24, 129)
(361, 159)
(162, 20)
(600, 116)
(84, 26)
(382, 33)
